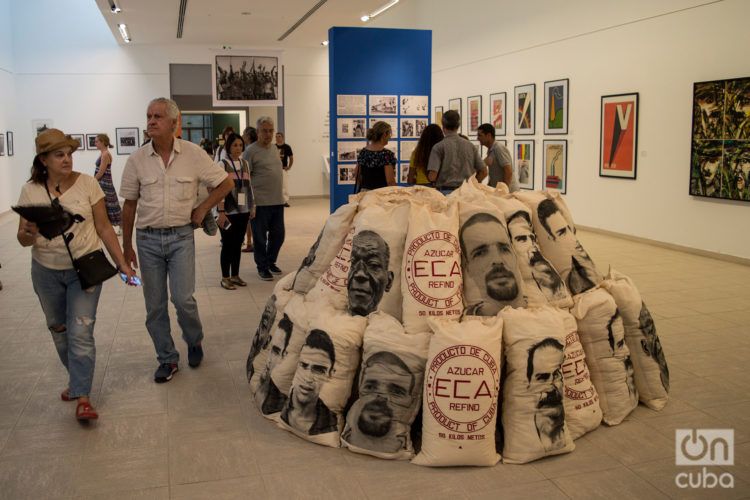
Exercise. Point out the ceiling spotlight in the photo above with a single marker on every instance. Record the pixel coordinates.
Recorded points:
(379, 11)
(124, 32)
(324, 43)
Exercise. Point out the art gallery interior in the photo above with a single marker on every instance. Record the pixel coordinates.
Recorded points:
(201, 435)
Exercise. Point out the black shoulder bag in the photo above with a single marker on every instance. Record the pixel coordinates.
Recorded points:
(93, 268)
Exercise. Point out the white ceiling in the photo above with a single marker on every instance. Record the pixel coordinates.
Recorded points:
(221, 22)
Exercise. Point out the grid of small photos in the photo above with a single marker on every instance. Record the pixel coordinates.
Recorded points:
(408, 115)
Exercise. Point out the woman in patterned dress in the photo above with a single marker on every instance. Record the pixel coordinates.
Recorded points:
(103, 174)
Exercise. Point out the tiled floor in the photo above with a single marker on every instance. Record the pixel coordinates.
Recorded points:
(199, 436)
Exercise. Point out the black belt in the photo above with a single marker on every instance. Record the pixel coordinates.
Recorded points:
(162, 230)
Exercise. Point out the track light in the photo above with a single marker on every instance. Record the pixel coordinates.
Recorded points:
(124, 32)
(379, 11)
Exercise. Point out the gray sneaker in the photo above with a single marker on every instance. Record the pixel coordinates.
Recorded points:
(165, 372)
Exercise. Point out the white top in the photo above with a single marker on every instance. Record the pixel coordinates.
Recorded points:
(167, 194)
(79, 200)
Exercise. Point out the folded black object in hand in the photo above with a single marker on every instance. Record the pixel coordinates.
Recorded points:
(51, 220)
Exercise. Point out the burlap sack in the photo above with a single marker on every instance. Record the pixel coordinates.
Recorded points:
(582, 411)
(602, 335)
(649, 363)
(326, 366)
(533, 410)
(329, 242)
(269, 320)
(431, 282)
(461, 386)
(492, 279)
(557, 239)
(282, 353)
(390, 390)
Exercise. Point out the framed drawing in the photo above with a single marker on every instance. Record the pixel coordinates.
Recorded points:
(81, 140)
(403, 172)
(351, 104)
(474, 104)
(411, 128)
(127, 140)
(406, 149)
(415, 105)
(556, 107)
(9, 135)
(497, 112)
(555, 160)
(393, 122)
(523, 157)
(455, 105)
(349, 150)
(618, 143)
(525, 98)
(720, 146)
(439, 116)
(346, 174)
(91, 141)
(2, 145)
(351, 128)
(383, 105)
(242, 79)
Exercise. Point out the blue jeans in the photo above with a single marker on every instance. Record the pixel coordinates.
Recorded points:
(169, 255)
(71, 314)
(268, 235)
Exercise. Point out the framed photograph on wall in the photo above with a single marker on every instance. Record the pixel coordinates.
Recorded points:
(556, 107)
(351, 128)
(523, 158)
(525, 98)
(406, 149)
(439, 116)
(2, 145)
(9, 135)
(455, 105)
(346, 174)
(474, 104)
(415, 105)
(91, 141)
(383, 105)
(242, 79)
(349, 150)
(351, 104)
(411, 128)
(127, 140)
(81, 140)
(618, 142)
(497, 112)
(720, 146)
(555, 161)
(40, 125)
(403, 172)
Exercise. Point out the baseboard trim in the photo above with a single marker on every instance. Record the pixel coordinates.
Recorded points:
(310, 197)
(671, 246)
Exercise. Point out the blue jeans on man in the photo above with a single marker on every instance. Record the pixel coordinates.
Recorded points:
(268, 235)
(70, 313)
(167, 258)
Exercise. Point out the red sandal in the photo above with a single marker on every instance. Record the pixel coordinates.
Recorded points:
(84, 411)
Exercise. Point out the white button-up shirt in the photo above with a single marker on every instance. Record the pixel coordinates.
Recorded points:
(167, 194)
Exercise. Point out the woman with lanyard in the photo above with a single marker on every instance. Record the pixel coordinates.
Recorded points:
(234, 213)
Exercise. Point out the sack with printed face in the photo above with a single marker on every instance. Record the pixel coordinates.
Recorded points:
(582, 411)
(431, 281)
(602, 335)
(492, 279)
(556, 236)
(275, 376)
(390, 390)
(269, 320)
(331, 287)
(649, 363)
(533, 407)
(324, 249)
(461, 386)
(374, 280)
(542, 283)
(326, 366)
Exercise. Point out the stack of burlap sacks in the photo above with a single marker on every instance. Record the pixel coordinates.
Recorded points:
(480, 309)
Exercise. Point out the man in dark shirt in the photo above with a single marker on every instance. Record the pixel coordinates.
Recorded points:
(287, 160)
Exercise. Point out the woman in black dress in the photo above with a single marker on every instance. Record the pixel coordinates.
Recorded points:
(376, 166)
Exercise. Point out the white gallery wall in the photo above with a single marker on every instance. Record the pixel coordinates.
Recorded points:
(69, 68)
(8, 193)
(604, 47)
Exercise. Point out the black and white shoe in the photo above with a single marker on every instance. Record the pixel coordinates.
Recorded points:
(165, 372)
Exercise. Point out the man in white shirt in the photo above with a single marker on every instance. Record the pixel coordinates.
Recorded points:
(160, 182)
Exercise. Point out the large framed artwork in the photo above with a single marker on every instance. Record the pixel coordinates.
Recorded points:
(555, 161)
(474, 103)
(618, 144)
(525, 98)
(497, 112)
(556, 107)
(127, 140)
(439, 116)
(523, 158)
(720, 146)
(242, 79)
(455, 105)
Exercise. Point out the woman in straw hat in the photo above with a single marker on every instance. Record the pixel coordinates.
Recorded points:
(103, 174)
(70, 310)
